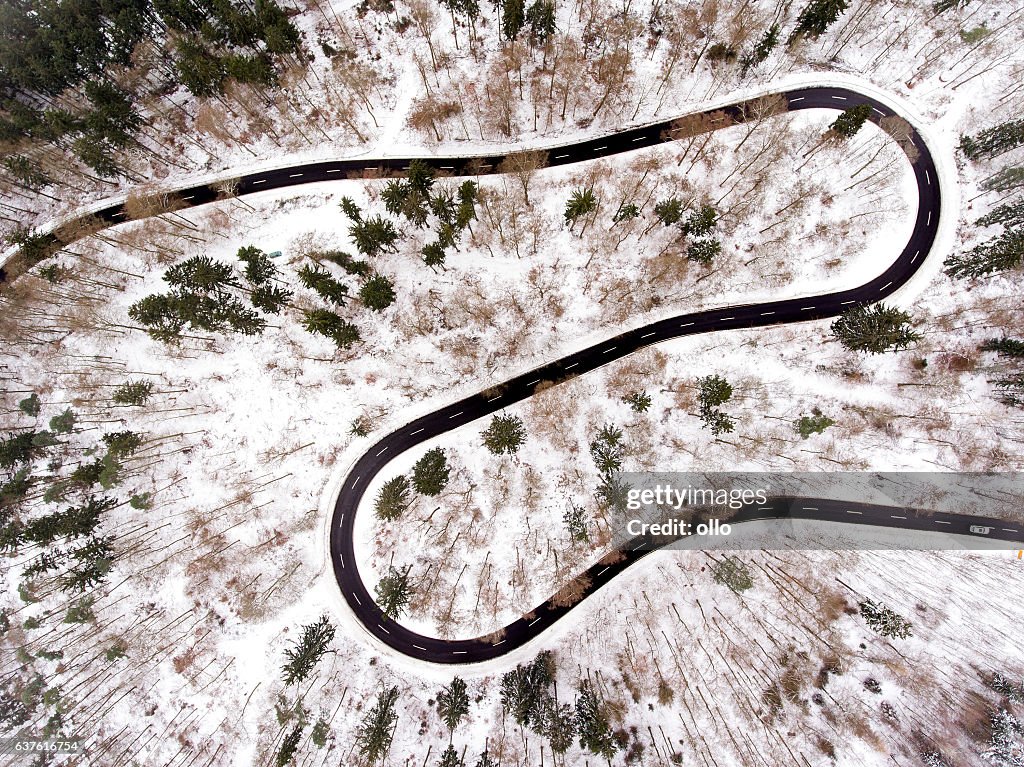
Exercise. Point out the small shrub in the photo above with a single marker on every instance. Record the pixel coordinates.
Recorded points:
(733, 573)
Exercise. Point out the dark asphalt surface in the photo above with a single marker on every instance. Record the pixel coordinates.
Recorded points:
(517, 389)
(911, 257)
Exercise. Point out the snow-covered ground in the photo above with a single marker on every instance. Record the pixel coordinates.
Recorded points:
(213, 583)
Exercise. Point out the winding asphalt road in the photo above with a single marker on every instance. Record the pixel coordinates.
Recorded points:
(519, 388)
(437, 650)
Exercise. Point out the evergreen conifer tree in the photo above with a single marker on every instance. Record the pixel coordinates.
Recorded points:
(392, 499)
(875, 329)
(375, 733)
(307, 651)
(505, 434)
(393, 592)
(430, 473)
(377, 293)
(453, 703)
(817, 16)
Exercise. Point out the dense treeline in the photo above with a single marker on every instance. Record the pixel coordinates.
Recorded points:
(64, 72)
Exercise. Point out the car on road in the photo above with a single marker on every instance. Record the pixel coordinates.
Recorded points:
(980, 529)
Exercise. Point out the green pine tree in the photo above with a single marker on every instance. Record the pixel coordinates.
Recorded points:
(513, 18)
(607, 449)
(430, 473)
(394, 592)
(377, 730)
(575, 519)
(449, 757)
(703, 251)
(994, 141)
(453, 703)
(762, 49)
(582, 202)
(318, 279)
(133, 393)
(701, 222)
(816, 423)
(1007, 347)
(850, 121)
(884, 620)
(592, 724)
(259, 269)
(874, 329)
(541, 18)
(817, 16)
(392, 499)
(30, 405)
(504, 435)
(307, 651)
(377, 293)
(63, 423)
(1001, 254)
(669, 211)
(289, 746)
(270, 298)
(326, 323)
(734, 573)
(638, 401)
(123, 443)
